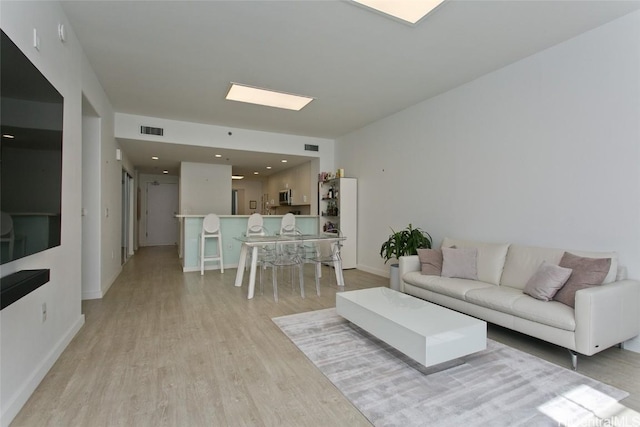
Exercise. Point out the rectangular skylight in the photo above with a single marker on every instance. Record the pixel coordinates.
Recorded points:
(270, 98)
(408, 10)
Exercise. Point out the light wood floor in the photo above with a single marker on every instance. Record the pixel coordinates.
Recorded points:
(165, 348)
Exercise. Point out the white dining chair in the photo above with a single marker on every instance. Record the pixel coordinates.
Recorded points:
(286, 255)
(255, 227)
(288, 224)
(211, 230)
(326, 252)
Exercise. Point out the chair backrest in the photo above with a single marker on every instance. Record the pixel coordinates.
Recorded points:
(288, 224)
(329, 249)
(255, 225)
(211, 224)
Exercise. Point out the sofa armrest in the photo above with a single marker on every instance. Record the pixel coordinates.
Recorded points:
(408, 263)
(607, 315)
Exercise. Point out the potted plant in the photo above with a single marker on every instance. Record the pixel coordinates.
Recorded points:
(400, 243)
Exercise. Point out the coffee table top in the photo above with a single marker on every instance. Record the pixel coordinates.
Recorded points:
(421, 316)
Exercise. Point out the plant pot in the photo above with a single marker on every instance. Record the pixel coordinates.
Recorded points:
(394, 277)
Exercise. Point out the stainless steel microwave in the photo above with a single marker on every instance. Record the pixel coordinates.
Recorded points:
(285, 197)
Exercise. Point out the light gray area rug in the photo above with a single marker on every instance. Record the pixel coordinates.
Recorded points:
(500, 386)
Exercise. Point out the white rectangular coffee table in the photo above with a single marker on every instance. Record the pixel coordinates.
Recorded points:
(426, 332)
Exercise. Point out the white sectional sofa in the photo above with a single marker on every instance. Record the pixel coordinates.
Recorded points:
(604, 315)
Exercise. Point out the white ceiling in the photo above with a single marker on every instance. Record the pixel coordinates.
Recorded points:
(176, 59)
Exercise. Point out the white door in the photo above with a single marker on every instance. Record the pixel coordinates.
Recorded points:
(162, 206)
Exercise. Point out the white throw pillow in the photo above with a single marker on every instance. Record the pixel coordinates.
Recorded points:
(461, 263)
(546, 281)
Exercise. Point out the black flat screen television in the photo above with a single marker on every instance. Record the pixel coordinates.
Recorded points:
(31, 121)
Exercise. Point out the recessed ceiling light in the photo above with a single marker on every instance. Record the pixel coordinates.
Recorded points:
(256, 173)
(6, 135)
(165, 171)
(270, 98)
(284, 160)
(268, 167)
(154, 157)
(218, 155)
(408, 10)
(237, 177)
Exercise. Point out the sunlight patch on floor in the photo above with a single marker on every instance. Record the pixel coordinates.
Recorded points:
(585, 407)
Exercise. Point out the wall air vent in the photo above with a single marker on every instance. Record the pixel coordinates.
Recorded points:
(310, 147)
(148, 130)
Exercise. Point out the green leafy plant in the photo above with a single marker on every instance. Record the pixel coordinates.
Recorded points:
(405, 242)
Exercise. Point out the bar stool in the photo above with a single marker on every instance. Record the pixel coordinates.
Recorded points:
(211, 230)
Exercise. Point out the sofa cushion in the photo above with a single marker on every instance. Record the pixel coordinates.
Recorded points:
(546, 281)
(430, 261)
(523, 261)
(550, 313)
(491, 257)
(587, 272)
(456, 288)
(496, 298)
(461, 263)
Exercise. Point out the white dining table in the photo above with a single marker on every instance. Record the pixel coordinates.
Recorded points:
(254, 242)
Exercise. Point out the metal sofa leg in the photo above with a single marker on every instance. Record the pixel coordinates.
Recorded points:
(574, 359)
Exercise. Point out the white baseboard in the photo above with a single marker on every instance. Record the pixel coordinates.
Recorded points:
(110, 282)
(105, 288)
(11, 408)
(210, 267)
(377, 271)
(91, 295)
(633, 344)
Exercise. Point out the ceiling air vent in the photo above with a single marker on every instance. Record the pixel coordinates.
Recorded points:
(310, 147)
(148, 130)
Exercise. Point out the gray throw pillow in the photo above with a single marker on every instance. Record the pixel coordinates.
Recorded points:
(461, 263)
(546, 281)
(587, 272)
(431, 261)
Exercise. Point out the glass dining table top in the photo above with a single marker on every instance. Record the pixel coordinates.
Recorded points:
(288, 238)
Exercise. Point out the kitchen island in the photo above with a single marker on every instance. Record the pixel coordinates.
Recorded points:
(231, 226)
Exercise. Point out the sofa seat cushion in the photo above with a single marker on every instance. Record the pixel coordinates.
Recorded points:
(550, 313)
(496, 298)
(513, 301)
(456, 288)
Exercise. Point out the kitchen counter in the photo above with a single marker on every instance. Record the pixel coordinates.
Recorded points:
(231, 226)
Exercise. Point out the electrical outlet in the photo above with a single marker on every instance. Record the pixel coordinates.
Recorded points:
(229, 245)
(44, 312)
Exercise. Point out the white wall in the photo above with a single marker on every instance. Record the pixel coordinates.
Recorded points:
(91, 215)
(110, 171)
(205, 188)
(28, 346)
(542, 152)
(252, 189)
(127, 126)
